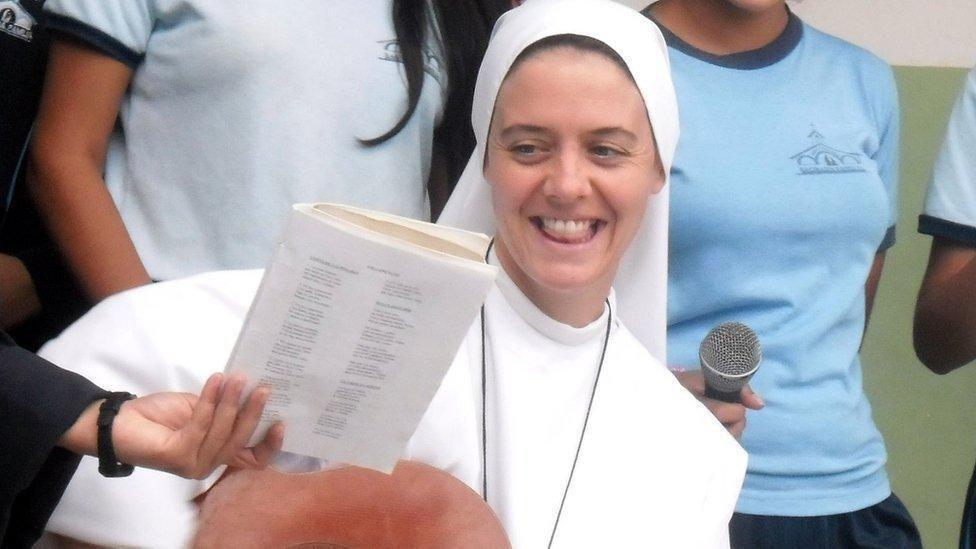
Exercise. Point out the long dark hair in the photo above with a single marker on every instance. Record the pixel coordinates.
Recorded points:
(465, 26)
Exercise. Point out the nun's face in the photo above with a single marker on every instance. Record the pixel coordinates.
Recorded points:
(572, 162)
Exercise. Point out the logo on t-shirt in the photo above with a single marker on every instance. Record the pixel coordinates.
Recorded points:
(821, 158)
(16, 21)
(432, 60)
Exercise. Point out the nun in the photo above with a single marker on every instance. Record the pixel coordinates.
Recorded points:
(572, 431)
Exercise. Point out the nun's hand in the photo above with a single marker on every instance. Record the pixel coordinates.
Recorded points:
(732, 415)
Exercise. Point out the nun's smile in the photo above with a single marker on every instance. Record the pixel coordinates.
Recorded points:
(568, 231)
(572, 161)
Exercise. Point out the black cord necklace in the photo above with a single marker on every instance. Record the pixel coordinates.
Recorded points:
(484, 406)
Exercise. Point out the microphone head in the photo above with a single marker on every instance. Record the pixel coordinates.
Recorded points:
(729, 355)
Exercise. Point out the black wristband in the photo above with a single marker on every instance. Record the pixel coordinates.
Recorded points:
(108, 463)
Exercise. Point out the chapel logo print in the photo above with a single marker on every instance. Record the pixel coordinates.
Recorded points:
(820, 159)
(16, 21)
(432, 60)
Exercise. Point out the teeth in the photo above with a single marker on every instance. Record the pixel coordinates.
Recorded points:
(566, 226)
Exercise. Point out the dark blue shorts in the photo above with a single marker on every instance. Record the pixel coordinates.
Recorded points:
(886, 525)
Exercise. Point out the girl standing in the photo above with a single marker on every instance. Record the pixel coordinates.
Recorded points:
(784, 192)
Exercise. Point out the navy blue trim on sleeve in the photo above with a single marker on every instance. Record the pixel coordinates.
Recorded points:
(888, 240)
(95, 38)
(947, 229)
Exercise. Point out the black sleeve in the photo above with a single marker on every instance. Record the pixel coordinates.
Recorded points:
(38, 402)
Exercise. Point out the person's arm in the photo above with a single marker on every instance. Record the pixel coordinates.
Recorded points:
(44, 406)
(945, 315)
(18, 297)
(871, 286)
(181, 433)
(78, 110)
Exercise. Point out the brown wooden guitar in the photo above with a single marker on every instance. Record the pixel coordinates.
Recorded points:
(416, 506)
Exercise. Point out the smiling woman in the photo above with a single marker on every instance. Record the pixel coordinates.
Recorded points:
(570, 186)
(567, 173)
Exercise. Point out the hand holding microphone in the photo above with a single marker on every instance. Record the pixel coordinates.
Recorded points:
(730, 354)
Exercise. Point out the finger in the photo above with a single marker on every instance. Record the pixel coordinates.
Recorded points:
(750, 399)
(268, 448)
(203, 411)
(225, 415)
(247, 421)
(726, 412)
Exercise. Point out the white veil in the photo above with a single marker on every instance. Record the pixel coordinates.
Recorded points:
(641, 282)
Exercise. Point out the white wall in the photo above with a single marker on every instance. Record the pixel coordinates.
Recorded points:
(934, 33)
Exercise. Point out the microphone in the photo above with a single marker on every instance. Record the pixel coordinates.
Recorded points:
(729, 355)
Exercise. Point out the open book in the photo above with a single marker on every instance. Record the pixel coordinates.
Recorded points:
(354, 326)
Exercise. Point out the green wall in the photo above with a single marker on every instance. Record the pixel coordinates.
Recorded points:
(927, 419)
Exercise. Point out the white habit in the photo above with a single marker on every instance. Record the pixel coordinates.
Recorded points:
(655, 468)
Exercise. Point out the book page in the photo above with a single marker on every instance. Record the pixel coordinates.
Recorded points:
(354, 332)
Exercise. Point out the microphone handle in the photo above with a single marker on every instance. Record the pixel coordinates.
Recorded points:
(715, 394)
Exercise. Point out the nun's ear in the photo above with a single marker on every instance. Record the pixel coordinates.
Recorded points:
(657, 167)
(659, 176)
(658, 182)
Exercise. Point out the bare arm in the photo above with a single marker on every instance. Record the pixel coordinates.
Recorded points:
(77, 112)
(871, 286)
(945, 314)
(18, 297)
(184, 434)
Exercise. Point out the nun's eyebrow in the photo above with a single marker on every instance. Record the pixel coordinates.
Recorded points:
(523, 129)
(615, 132)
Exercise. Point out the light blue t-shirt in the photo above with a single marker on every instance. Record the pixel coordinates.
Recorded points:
(950, 205)
(238, 109)
(784, 189)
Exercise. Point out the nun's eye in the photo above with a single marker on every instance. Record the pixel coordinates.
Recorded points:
(529, 153)
(525, 149)
(606, 151)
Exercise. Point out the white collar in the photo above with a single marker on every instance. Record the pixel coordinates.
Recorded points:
(540, 321)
